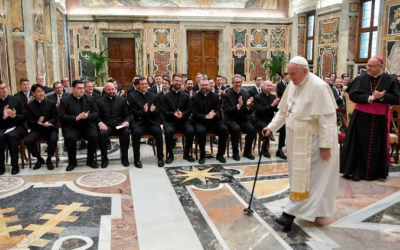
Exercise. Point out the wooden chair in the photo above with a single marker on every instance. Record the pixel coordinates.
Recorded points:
(342, 122)
(394, 137)
(22, 150)
(147, 135)
(177, 134)
(349, 104)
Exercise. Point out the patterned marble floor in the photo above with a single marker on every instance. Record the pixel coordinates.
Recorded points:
(186, 206)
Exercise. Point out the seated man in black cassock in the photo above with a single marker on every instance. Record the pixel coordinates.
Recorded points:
(142, 106)
(13, 113)
(237, 105)
(207, 116)
(78, 117)
(113, 113)
(266, 104)
(177, 110)
(41, 115)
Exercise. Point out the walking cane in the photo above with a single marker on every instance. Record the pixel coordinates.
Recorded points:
(248, 210)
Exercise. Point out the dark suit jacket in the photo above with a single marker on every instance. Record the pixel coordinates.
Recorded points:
(23, 97)
(68, 112)
(136, 103)
(117, 115)
(280, 89)
(153, 89)
(47, 89)
(263, 109)
(232, 113)
(169, 107)
(130, 90)
(54, 97)
(49, 112)
(96, 95)
(253, 91)
(202, 105)
(14, 102)
(339, 101)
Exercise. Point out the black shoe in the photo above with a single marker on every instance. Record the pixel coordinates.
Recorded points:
(104, 162)
(137, 164)
(14, 170)
(249, 156)
(280, 154)
(92, 164)
(355, 178)
(70, 167)
(188, 158)
(220, 158)
(266, 153)
(346, 176)
(125, 162)
(169, 159)
(236, 157)
(2, 170)
(286, 220)
(160, 162)
(49, 164)
(39, 163)
(271, 137)
(202, 160)
(215, 140)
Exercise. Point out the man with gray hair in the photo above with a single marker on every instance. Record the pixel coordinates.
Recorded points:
(309, 110)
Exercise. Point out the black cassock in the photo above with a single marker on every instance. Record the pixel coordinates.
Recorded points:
(364, 153)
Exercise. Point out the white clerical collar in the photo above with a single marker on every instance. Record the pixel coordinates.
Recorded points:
(40, 101)
(206, 93)
(3, 99)
(76, 96)
(144, 93)
(236, 92)
(165, 92)
(26, 93)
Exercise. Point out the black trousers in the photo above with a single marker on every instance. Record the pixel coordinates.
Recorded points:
(217, 127)
(123, 134)
(11, 139)
(72, 135)
(139, 130)
(248, 129)
(282, 137)
(188, 131)
(50, 134)
(259, 126)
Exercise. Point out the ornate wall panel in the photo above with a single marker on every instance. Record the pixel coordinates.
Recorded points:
(17, 16)
(278, 38)
(2, 8)
(4, 73)
(19, 57)
(256, 67)
(328, 31)
(250, 44)
(162, 63)
(162, 38)
(72, 54)
(393, 57)
(40, 58)
(393, 19)
(50, 66)
(301, 45)
(352, 49)
(48, 22)
(87, 37)
(60, 30)
(327, 60)
(390, 42)
(38, 16)
(85, 68)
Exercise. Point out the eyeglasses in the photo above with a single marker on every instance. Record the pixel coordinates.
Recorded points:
(3, 88)
(372, 66)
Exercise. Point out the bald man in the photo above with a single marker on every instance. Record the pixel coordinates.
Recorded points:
(308, 109)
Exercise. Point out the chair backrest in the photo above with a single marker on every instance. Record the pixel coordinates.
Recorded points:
(342, 120)
(395, 118)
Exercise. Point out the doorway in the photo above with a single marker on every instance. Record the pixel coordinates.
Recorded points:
(202, 53)
(122, 65)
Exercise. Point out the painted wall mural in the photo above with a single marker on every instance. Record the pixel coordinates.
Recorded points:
(259, 38)
(38, 16)
(393, 20)
(352, 49)
(242, 4)
(40, 59)
(50, 66)
(162, 63)
(17, 16)
(328, 31)
(301, 43)
(393, 57)
(4, 55)
(85, 68)
(327, 60)
(19, 57)
(2, 8)
(87, 37)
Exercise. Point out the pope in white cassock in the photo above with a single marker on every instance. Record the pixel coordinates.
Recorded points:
(309, 110)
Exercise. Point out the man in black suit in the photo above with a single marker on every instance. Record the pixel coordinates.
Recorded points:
(265, 105)
(41, 115)
(338, 94)
(157, 88)
(257, 88)
(58, 94)
(40, 80)
(207, 116)
(188, 86)
(79, 116)
(281, 86)
(142, 106)
(196, 86)
(89, 89)
(237, 104)
(219, 87)
(135, 82)
(176, 111)
(113, 112)
(25, 94)
(13, 116)
(65, 84)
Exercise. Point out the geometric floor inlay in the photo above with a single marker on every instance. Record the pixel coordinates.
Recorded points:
(10, 183)
(101, 179)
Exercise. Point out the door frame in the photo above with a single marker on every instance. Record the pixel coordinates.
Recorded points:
(223, 43)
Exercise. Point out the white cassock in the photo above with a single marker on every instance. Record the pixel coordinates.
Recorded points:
(310, 125)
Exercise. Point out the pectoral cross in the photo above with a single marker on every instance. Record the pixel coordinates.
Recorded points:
(292, 103)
